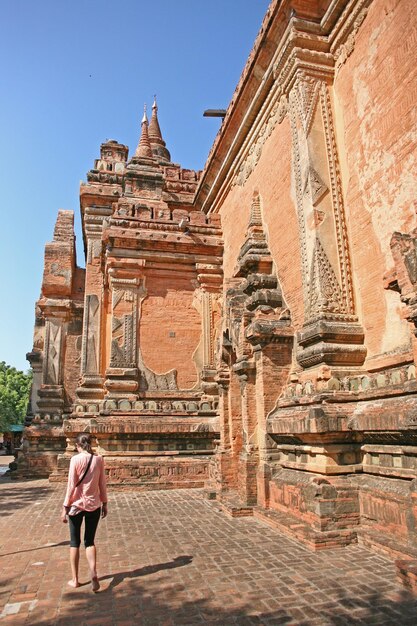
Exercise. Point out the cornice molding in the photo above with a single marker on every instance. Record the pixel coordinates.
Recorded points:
(316, 47)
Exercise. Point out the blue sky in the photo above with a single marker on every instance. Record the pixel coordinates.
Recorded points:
(74, 74)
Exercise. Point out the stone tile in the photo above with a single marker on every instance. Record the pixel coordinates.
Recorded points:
(173, 558)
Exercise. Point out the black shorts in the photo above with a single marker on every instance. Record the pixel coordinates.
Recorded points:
(91, 522)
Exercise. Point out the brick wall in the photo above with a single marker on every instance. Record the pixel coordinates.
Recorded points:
(376, 114)
(272, 177)
(170, 328)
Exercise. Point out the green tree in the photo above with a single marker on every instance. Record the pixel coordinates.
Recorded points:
(14, 395)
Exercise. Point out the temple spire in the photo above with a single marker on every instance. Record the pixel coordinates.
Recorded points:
(154, 128)
(155, 136)
(144, 148)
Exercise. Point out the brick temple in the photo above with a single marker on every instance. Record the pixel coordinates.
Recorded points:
(251, 328)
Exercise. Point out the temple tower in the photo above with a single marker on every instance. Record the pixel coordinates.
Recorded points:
(147, 325)
(252, 327)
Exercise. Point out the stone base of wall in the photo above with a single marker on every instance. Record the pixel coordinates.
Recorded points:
(321, 512)
(388, 515)
(43, 442)
(232, 504)
(38, 465)
(325, 512)
(314, 539)
(144, 473)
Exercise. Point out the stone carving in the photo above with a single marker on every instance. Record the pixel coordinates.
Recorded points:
(324, 289)
(94, 176)
(90, 350)
(296, 161)
(121, 344)
(368, 382)
(149, 381)
(310, 105)
(345, 43)
(404, 276)
(282, 109)
(124, 322)
(304, 97)
(337, 200)
(93, 249)
(276, 116)
(314, 186)
(165, 406)
(207, 322)
(52, 359)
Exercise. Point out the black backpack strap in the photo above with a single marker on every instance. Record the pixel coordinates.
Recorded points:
(86, 470)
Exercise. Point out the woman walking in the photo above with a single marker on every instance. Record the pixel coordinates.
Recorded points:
(86, 498)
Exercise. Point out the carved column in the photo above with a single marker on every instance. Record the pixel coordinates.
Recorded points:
(35, 360)
(248, 459)
(210, 279)
(207, 323)
(331, 333)
(92, 380)
(272, 361)
(225, 475)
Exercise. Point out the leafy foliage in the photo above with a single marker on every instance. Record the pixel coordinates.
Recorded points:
(14, 395)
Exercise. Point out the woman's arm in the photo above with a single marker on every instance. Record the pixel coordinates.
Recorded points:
(103, 488)
(72, 476)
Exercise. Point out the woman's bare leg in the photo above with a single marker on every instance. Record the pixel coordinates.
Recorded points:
(91, 555)
(74, 560)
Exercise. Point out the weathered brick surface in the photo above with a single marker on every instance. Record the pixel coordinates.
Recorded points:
(332, 162)
(174, 558)
(252, 327)
(376, 92)
(272, 176)
(170, 326)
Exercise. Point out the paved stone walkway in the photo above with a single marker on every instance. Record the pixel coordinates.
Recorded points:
(173, 557)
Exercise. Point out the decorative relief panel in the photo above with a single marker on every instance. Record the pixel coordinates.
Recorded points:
(345, 42)
(207, 320)
(304, 97)
(324, 289)
(404, 276)
(52, 358)
(91, 336)
(314, 187)
(124, 322)
(326, 266)
(93, 249)
(250, 161)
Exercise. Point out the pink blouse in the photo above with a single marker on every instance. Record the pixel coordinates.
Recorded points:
(92, 492)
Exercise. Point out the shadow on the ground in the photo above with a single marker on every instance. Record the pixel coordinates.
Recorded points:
(5, 583)
(116, 579)
(13, 499)
(376, 608)
(49, 545)
(10, 478)
(163, 600)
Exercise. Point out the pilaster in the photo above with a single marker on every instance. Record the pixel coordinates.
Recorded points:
(331, 334)
(91, 387)
(209, 277)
